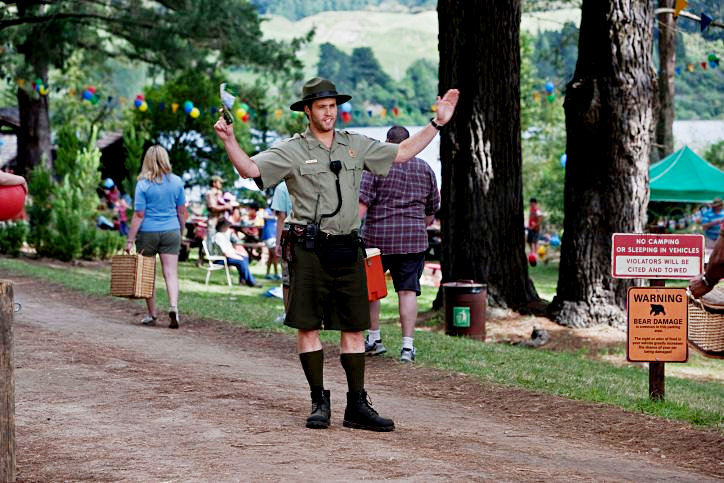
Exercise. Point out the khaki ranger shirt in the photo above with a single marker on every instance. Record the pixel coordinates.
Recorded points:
(303, 162)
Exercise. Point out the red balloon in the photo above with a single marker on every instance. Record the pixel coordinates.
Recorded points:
(12, 200)
(91, 89)
(532, 260)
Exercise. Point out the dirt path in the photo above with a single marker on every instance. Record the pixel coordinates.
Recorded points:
(98, 398)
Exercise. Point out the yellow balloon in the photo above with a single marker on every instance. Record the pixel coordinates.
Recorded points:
(240, 113)
(433, 108)
(542, 251)
(278, 113)
(195, 112)
(43, 90)
(143, 107)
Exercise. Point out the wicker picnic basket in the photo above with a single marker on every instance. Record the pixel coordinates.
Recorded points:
(133, 276)
(706, 323)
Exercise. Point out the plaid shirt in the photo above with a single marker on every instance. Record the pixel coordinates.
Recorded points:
(397, 206)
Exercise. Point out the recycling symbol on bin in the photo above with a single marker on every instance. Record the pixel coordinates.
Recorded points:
(461, 316)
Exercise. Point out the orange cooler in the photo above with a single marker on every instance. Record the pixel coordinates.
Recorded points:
(376, 284)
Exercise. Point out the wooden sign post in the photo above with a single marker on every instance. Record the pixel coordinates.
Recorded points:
(7, 384)
(657, 317)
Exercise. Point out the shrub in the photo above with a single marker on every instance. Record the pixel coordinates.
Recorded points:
(12, 236)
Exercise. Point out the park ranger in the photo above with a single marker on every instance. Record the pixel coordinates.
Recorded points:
(323, 168)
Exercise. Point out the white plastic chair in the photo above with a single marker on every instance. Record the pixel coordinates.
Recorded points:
(215, 266)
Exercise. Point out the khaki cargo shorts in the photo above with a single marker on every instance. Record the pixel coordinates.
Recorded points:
(149, 243)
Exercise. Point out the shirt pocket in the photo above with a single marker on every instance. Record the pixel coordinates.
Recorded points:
(313, 169)
(353, 170)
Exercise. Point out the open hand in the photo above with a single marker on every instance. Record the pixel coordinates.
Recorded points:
(446, 105)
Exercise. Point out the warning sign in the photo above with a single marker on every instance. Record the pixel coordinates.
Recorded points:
(657, 324)
(644, 255)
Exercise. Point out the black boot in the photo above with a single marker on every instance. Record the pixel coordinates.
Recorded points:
(359, 414)
(321, 409)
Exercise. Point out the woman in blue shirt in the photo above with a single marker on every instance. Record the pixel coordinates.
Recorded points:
(157, 224)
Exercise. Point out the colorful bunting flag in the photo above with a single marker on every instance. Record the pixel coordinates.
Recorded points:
(705, 21)
(679, 6)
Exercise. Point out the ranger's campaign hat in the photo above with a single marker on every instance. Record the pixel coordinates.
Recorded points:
(318, 88)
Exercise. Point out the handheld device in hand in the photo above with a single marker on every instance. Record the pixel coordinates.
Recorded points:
(227, 102)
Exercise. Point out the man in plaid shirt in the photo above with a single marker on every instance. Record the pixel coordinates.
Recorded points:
(399, 207)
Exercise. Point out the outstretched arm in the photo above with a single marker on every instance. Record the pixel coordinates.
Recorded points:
(412, 146)
(244, 165)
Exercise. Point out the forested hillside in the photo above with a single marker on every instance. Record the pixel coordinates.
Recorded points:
(398, 50)
(296, 9)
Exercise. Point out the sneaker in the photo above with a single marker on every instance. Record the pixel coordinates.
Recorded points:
(280, 318)
(407, 355)
(149, 320)
(375, 348)
(359, 414)
(321, 410)
(173, 315)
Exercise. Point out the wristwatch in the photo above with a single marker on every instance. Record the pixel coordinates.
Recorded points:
(435, 124)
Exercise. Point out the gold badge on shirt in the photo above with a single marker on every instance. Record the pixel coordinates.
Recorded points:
(352, 153)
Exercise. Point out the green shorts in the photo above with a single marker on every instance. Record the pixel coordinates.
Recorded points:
(329, 299)
(149, 243)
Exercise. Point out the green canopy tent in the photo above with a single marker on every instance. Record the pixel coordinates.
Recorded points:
(684, 177)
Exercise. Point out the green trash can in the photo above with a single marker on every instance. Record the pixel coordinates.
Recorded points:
(465, 303)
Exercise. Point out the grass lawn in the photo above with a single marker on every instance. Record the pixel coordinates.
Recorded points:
(569, 375)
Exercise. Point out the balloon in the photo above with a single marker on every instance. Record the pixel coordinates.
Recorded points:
(555, 241)
(395, 111)
(137, 103)
(278, 113)
(346, 117)
(188, 105)
(549, 87)
(564, 159)
(711, 57)
(713, 64)
(174, 107)
(140, 97)
(194, 113)
(346, 107)
(532, 260)
(143, 107)
(245, 117)
(91, 89)
(240, 113)
(244, 106)
(541, 252)
(433, 108)
(12, 200)
(87, 95)
(551, 97)
(43, 91)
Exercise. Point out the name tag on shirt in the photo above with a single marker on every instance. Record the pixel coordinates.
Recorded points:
(310, 161)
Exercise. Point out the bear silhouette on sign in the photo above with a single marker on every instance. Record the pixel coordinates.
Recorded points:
(657, 309)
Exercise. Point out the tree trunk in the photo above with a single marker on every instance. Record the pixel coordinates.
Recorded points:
(667, 61)
(609, 110)
(480, 149)
(34, 145)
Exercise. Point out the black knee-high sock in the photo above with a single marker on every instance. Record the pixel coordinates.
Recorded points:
(354, 367)
(313, 365)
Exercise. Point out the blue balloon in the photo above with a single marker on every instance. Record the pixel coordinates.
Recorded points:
(346, 107)
(87, 95)
(549, 87)
(555, 241)
(564, 158)
(137, 103)
(188, 106)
